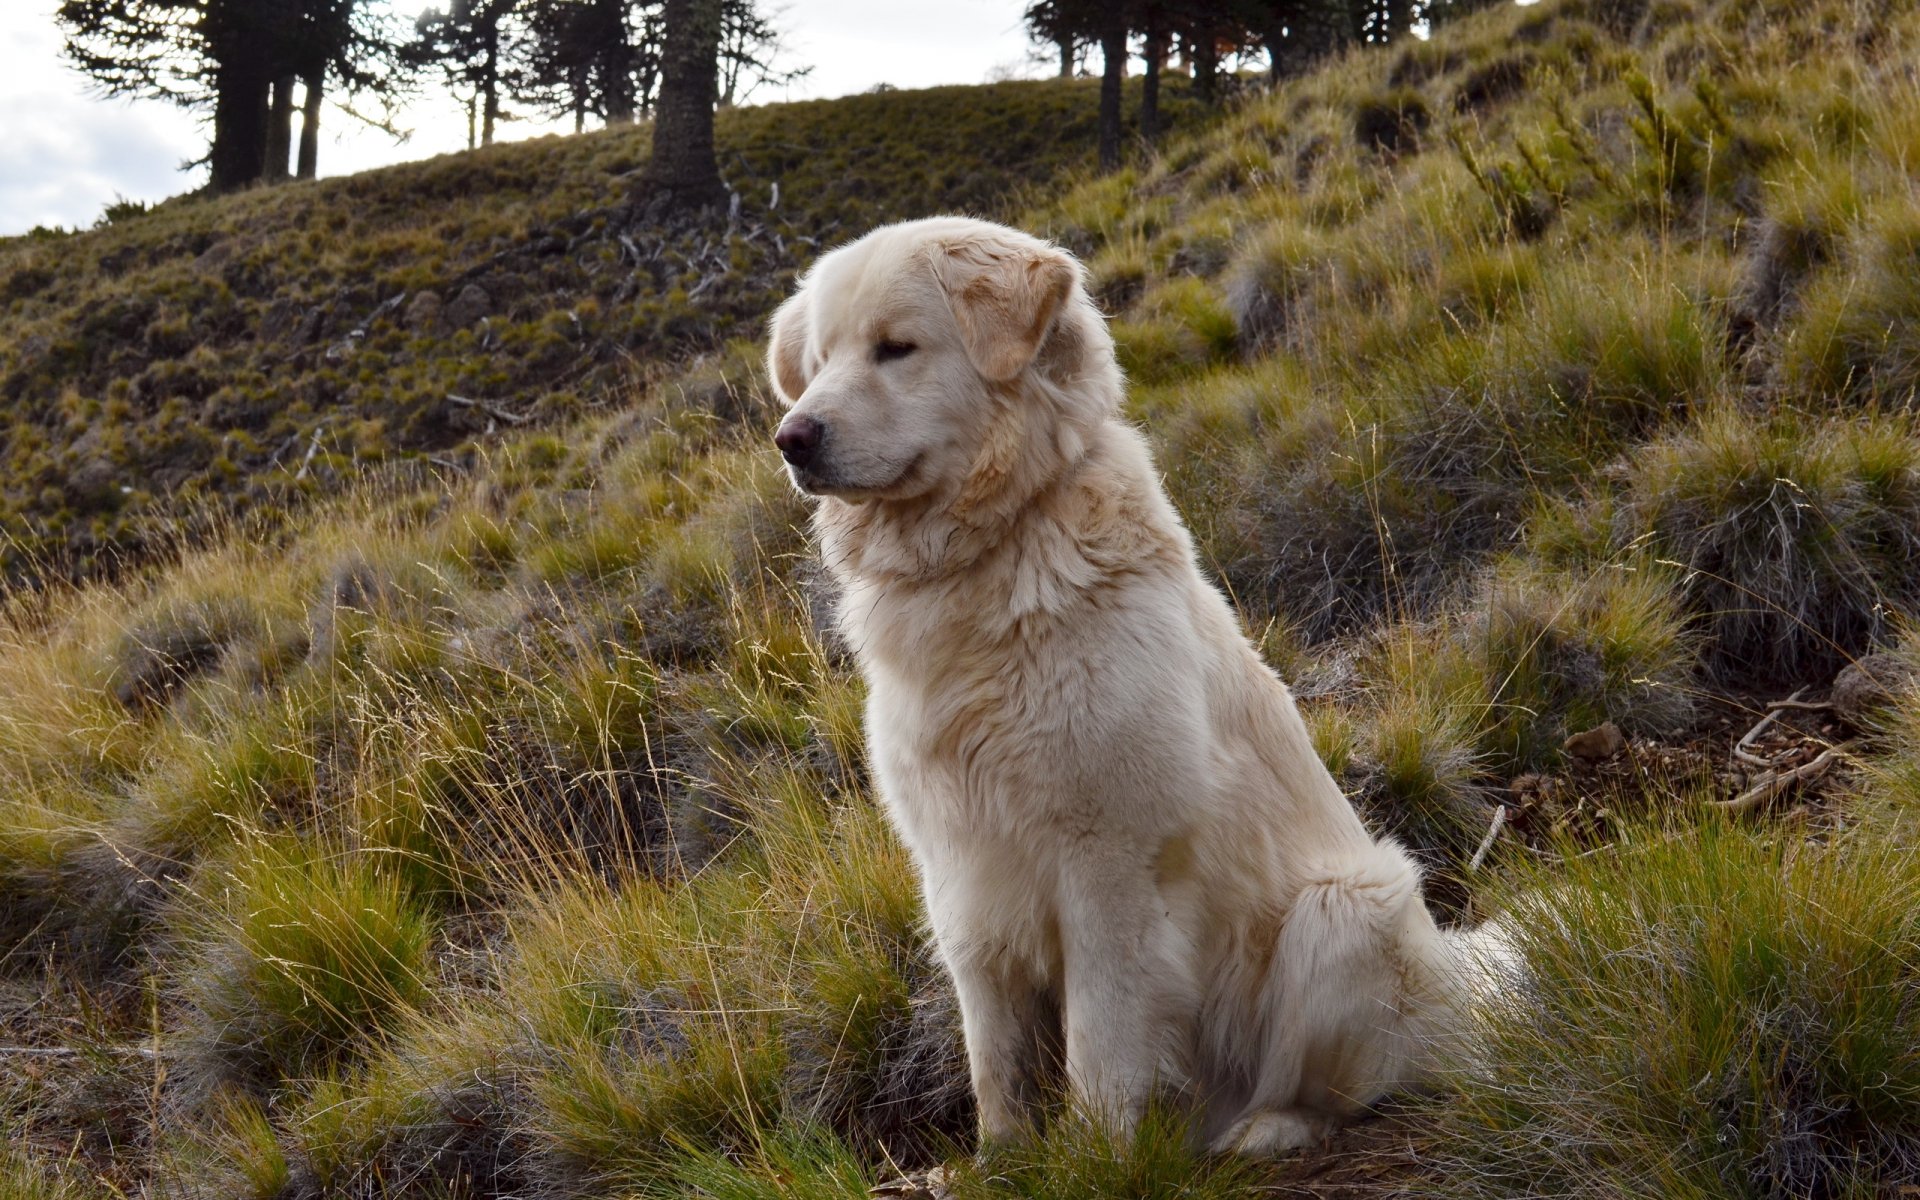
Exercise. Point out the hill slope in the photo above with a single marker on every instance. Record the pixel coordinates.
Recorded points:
(259, 348)
(506, 832)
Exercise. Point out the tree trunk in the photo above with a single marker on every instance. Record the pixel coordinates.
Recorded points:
(616, 88)
(1113, 75)
(1156, 57)
(1206, 67)
(1397, 18)
(489, 89)
(1066, 57)
(279, 130)
(310, 126)
(681, 175)
(239, 152)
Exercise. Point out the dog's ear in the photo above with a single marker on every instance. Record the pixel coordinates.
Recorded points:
(787, 349)
(1005, 294)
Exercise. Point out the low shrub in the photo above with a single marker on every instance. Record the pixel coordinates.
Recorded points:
(1416, 768)
(1391, 122)
(1857, 336)
(1269, 281)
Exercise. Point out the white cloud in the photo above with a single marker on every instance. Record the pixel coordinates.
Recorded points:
(68, 151)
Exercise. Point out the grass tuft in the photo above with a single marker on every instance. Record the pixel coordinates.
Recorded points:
(1715, 1014)
(313, 954)
(1563, 653)
(1796, 538)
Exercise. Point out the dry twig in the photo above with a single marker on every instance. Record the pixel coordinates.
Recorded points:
(1773, 783)
(1486, 843)
(1742, 748)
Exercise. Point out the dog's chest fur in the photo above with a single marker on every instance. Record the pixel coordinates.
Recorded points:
(982, 673)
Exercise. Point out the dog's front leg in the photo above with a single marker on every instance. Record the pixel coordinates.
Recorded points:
(1011, 1029)
(1128, 992)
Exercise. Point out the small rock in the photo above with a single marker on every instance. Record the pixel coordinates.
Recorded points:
(935, 1183)
(1868, 686)
(215, 256)
(469, 306)
(278, 322)
(423, 311)
(1596, 744)
(312, 324)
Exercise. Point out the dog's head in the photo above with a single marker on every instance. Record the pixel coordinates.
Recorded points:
(927, 353)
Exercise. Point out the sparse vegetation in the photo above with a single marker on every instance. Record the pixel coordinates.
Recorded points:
(499, 825)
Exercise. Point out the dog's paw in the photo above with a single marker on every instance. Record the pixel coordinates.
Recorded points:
(1272, 1132)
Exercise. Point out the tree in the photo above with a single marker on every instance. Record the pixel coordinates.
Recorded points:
(471, 43)
(1113, 78)
(1153, 51)
(681, 173)
(604, 58)
(349, 42)
(234, 58)
(598, 58)
(200, 54)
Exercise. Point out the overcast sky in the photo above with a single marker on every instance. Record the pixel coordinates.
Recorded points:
(66, 152)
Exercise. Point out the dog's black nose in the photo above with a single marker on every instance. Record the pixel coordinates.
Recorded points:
(798, 439)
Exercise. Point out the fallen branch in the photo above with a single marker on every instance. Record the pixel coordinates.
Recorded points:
(392, 304)
(1486, 843)
(1774, 782)
(313, 448)
(492, 410)
(1742, 748)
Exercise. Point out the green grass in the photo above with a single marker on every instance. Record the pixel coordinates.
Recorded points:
(1715, 1014)
(305, 956)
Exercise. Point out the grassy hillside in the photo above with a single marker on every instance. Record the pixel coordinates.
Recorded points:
(252, 351)
(505, 832)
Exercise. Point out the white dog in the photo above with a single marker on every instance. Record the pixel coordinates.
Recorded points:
(1128, 845)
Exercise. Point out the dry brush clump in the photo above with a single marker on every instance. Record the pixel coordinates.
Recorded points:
(296, 957)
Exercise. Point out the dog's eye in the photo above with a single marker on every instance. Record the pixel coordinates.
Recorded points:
(890, 350)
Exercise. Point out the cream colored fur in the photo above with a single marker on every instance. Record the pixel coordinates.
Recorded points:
(1135, 865)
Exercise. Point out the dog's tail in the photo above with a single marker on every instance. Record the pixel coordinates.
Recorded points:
(1488, 977)
(1487, 959)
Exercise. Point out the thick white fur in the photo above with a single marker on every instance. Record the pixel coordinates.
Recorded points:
(1131, 854)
